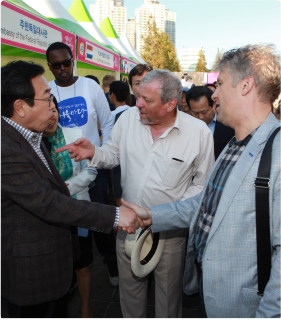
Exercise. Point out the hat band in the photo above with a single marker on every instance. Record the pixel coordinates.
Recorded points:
(153, 248)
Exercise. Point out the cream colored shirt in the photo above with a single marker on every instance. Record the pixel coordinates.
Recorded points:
(149, 174)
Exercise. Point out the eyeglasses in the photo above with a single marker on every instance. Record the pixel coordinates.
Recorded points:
(49, 100)
(66, 63)
(136, 84)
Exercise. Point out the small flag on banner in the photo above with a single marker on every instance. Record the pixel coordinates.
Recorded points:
(89, 47)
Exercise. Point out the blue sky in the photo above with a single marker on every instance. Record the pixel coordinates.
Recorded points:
(213, 24)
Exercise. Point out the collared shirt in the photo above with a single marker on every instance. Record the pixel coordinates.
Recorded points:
(212, 124)
(214, 192)
(33, 138)
(160, 171)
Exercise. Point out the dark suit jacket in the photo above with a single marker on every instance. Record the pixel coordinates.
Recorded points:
(37, 212)
(222, 136)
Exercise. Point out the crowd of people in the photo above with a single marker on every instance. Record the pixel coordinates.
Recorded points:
(183, 162)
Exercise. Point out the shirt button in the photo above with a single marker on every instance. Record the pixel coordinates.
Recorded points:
(69, 237)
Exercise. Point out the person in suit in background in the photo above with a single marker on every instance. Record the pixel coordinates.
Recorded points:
(106, 81)
(77, 176)
(203, 107)
(37, 211)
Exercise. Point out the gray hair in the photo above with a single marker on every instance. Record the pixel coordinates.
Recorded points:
(171, 86)
(259, 61)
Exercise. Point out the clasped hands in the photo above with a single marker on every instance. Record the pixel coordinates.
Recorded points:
(131, 216)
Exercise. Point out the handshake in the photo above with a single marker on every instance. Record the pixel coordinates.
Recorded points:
(133, 216)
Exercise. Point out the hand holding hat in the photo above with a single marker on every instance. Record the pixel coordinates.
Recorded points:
(143, 214)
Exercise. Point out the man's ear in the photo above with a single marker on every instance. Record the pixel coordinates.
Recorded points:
(247, 85)
(171, 105)
(19, 108)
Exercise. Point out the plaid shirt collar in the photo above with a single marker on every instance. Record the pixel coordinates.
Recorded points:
(244, 141)
(32, 137)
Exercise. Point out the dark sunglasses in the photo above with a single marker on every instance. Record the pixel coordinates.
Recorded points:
(66, 63)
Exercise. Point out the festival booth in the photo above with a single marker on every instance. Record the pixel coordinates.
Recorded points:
(92, 56)
(128, 61)
(26, 35)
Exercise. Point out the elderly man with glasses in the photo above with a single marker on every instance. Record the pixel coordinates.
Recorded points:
(38, 244)
(164, 154)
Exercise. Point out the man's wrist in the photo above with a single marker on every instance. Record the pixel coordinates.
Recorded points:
(117, 216)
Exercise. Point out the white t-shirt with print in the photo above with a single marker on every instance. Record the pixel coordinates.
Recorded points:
(81, 105)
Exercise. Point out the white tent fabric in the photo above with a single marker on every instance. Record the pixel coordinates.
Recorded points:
(125, 40)
(117, 43)
(50, 9)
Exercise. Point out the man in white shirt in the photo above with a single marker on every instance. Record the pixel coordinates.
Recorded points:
(81, 103)
(118, 92)
(166, 155)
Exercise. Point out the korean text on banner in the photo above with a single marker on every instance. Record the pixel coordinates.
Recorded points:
(27, 31)
(93, 54)
(127, 65)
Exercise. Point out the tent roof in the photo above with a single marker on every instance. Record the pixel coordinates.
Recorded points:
(107, 29)
(57, 14)
(79, 11)
(26, 7)
(125, 40)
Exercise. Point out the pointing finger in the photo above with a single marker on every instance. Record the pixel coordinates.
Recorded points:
(63, 148)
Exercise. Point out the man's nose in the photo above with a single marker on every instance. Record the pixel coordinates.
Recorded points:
(201, 116)
(52, 106)
(214, 96)
(139, 104)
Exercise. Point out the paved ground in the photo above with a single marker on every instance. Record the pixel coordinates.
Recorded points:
(105, 300)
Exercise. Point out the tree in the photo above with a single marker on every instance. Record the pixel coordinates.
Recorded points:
(218, 57)
(158, 50)
(201, 63)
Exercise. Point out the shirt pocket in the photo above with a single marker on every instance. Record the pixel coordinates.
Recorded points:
(172, 171)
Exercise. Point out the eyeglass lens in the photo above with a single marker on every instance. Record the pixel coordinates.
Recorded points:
(66, 63)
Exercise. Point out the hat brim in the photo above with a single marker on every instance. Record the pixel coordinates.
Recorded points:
(142, 267)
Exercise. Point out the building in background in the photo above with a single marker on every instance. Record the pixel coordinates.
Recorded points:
(165, 21)
(189, 58)
(119, 3)
(112, 9)
(170, 25)
(131, 31)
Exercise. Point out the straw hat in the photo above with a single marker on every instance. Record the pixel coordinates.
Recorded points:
(145, 250)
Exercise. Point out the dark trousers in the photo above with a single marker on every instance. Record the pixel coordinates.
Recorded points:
(106, 243)
(53, 309)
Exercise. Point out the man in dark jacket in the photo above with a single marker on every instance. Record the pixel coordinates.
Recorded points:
(203, 107)
(38, 244)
